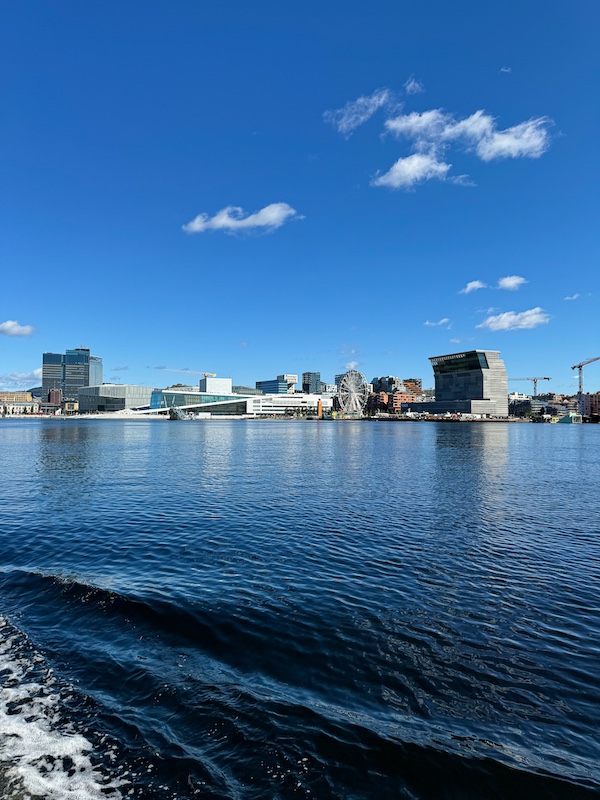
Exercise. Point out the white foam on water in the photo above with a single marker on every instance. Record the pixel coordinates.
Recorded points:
(41, 754)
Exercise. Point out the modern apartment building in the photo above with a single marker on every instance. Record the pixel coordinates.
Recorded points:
(387, 383)
(70, 371)
(311, 382)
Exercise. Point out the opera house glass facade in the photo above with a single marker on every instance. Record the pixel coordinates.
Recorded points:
(198, 401)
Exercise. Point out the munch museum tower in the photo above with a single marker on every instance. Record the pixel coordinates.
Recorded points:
(473, 382)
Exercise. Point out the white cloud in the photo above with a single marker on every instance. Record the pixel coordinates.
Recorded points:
(406, 172)
(413, 86)
(575, 296)
(455, 341)
(512, 321)
(426, 126)
(12, 328)
(431, 133)
(473, 286)
(357, 112)
(511, 282)
(351, 365)
(232, 218)
(18, 381)
(430, 324)
(528, 139)
(505, 69)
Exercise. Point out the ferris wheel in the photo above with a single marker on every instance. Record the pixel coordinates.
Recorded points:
(353, 392)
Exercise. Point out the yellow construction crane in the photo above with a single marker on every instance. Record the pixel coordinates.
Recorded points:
(193, 372)
(535, 380)
(580, 368)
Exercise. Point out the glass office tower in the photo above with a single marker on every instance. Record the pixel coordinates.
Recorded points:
(70, 372)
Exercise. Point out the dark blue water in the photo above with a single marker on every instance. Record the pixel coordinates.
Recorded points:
(299, 610)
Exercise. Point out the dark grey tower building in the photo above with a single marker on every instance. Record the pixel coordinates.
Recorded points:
(311, 382)
(473, 382)
(70, 371)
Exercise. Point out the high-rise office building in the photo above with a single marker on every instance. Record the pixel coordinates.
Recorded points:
(311, 382)
(70, 371)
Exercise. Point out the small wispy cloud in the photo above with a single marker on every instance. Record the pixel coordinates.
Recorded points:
(351, 364)
(511, 282)
(233, 218)
(120, 369)
(413, 86)
(505, 69)
(18, 381)
(473, 286)
(455, 341)
(512, 321)
(407, 172)
(429, 324)
(356, 112)
(575, 296)
(12, 328)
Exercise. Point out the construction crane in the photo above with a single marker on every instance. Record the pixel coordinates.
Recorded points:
(535, 380)
(193, 372)
(580, 368)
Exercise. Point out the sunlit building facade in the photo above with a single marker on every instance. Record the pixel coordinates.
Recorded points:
(235, 405)
(110, 397)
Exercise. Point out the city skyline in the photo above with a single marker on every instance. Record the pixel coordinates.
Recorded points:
(249, 191)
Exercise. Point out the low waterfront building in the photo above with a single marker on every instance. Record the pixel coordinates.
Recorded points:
(10, 408)
(277, 405)
(16, 397)
(591, 406)
(396, 399)
(472, 382)
(113, 397)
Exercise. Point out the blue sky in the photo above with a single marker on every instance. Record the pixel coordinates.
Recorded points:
(252, 189)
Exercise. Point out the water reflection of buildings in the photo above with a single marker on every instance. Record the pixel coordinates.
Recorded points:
(472, 463)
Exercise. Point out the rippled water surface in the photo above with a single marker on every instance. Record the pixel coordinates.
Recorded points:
(325, 610)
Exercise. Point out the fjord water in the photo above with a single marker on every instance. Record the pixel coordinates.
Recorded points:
(240, 609)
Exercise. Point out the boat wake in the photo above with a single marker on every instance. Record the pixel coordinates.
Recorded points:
(41, 752)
